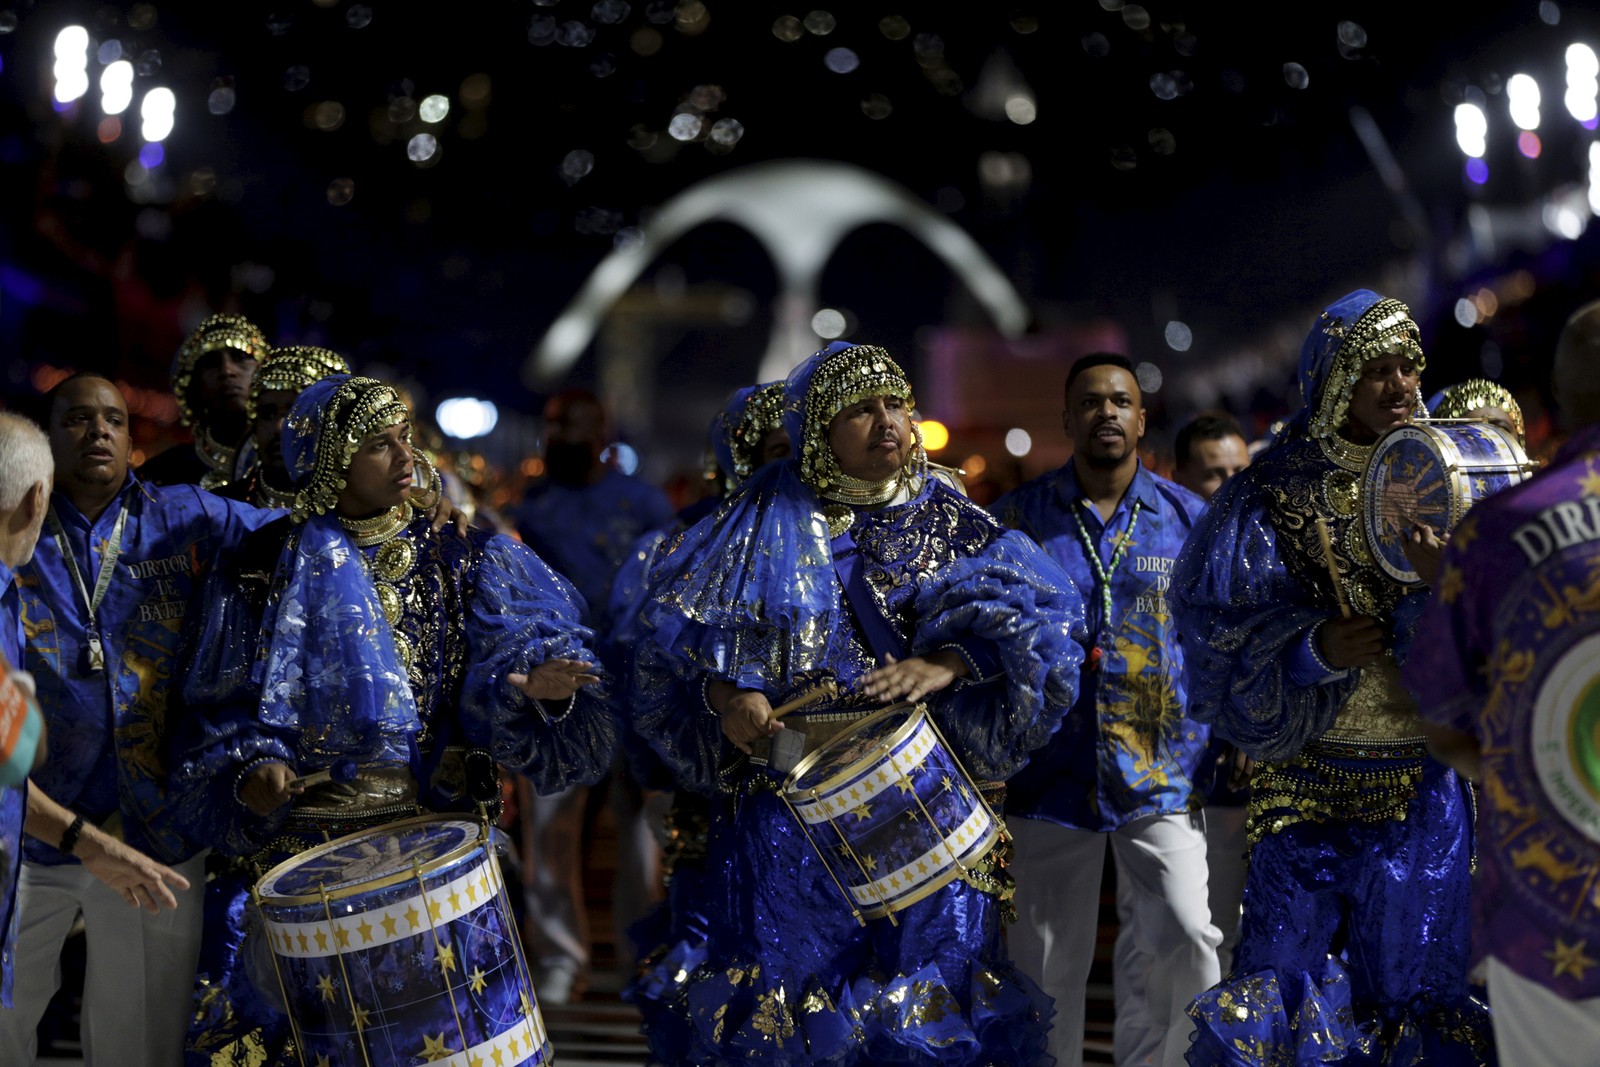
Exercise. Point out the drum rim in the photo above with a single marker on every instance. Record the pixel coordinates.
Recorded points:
(1429, 430)
(455, 854)
(791, 782)
(997, 828)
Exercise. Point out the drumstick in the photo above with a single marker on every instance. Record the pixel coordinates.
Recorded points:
(343, 771)
(828, 690)
(1333, 568)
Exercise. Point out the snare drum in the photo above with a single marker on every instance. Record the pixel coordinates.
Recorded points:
(1432, 471)
(397, 946)
(891, 811)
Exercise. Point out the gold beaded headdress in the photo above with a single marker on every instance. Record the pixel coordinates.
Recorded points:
(292, 369)
(213, 335)
(327, 424)
(1383, 328)
(761, 414)
(1460, 401)
(824, 385)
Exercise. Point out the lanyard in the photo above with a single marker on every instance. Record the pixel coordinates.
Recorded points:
(94, 654)
(1102, 573)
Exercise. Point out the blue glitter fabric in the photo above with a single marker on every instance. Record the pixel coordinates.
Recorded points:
(1353, 945)
(479, 609)
(293, 658)
(772, 968)
(1390, 900)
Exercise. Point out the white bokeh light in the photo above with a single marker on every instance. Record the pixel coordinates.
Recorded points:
(72, 64)
(157, 111)
(1019, 442)
(466, 417)
(1522, 98)
(1472, 130)
(116, 87)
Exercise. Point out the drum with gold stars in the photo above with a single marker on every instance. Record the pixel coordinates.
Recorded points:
(397, 946)
(1431, 471)
(891, 811)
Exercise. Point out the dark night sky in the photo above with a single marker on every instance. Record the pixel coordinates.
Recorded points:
(1239, 201)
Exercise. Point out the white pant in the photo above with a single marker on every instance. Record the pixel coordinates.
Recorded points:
(1534, 1027)
(138, 990)
(1134, 1040)
(553, 883)
(1226, 847)
(1058, 901)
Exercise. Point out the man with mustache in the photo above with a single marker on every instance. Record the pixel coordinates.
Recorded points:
(1122, 768)
(103, 603)
(1353, 945)
(211, 381)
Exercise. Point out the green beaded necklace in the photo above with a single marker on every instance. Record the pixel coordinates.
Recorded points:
(1103, 573)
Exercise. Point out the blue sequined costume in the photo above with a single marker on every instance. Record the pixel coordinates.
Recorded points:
(766, 596)
(392, 649)
(1354, 940)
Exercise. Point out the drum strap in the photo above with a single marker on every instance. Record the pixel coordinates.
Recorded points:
(881, 637)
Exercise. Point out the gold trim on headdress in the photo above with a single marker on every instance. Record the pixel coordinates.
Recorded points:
(212, 335)
(358, 409)
(1461, 400)
(1386, 328)
(291, 370)
(762, 414)
(845, 378)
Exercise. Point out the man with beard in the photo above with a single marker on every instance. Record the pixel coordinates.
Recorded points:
(1353, 946)
(1122, 767)
(103, 603)
(583, 520)
(211, 381)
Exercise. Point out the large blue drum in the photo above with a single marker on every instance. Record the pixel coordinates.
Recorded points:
(1432, 471)
(396, 946)
(891, 811)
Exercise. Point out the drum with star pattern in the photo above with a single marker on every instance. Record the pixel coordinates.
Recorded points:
(396, 946)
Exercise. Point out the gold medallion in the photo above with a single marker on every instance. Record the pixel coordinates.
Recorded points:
(389, 597)
(393, 561)
(1343, 490)
(1355, 545)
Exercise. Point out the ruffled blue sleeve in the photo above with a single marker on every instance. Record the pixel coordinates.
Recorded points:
(1242, 616)
(1022, 612)
(521, 614)
(217, 731)
(727, 591)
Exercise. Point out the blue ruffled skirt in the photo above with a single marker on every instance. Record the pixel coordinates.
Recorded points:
(769, 966)
(1354, 946)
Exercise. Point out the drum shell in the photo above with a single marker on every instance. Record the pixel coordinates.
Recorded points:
(429, 959)
(1432, 471)
(891, 811)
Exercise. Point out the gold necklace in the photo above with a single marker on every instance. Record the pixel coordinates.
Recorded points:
(1350, 456)
(216, 456)
(268, 497)
(379, 528)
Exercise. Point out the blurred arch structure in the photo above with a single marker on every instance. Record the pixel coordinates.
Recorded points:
(798, 211)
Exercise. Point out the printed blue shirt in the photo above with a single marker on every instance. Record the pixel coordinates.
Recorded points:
(586, 532)
(107, 729)
(1128, 748)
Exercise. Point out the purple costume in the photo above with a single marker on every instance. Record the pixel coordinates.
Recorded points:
(1509, 651)
(1353, 944)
